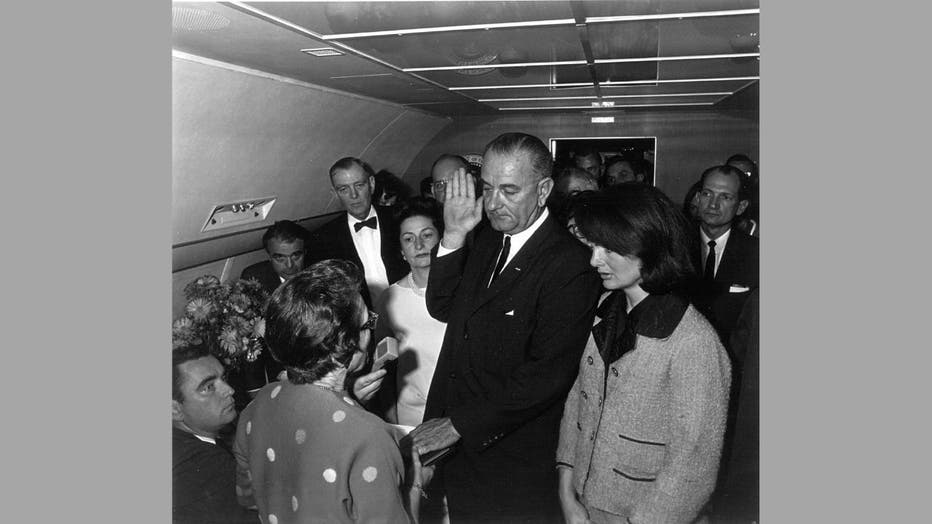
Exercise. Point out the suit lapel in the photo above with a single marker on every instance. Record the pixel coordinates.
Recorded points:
(345, 238)
(515, 269)
(731, 258)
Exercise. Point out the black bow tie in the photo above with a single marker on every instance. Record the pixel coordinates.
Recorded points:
(371, 222)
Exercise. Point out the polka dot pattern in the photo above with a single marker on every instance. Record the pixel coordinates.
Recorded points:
(248, 427)
(271, 454)
(294, 503)
(330, 475)
(300, 436)
(339, 415)
(273, 519)
(276, 391)
(369, 474)
(239, 491)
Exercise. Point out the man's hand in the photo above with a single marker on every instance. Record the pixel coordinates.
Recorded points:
(437, 433)
(462, 211)
(366, 386)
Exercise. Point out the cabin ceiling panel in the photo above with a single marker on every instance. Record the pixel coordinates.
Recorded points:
(419, 54)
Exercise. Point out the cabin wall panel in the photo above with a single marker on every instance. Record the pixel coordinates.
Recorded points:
(239, 135)
(687, 142)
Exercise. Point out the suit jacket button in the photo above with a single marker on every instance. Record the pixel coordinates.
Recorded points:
(585, 396)
(615, 371)
(453, 376)
(589, 360)
(465, 336)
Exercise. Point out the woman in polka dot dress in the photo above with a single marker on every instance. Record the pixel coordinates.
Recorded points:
(305, 450)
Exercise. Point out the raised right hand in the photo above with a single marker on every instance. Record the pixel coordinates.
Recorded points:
(462, 211)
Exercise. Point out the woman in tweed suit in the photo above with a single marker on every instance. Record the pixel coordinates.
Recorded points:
(642, 428)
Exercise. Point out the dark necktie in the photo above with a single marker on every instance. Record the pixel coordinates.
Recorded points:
(371, 222)
(710, 262)
(502, 257)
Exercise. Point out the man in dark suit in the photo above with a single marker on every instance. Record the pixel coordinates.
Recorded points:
(519, 301)
(284, 243)
(365, 234)
(203, 469)
(727, 257)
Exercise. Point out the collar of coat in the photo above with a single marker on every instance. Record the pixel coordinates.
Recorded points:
(616, 330)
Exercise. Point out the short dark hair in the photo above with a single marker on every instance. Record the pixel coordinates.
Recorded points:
(312, 321)
(589, 151)
(513, 143)
(427, 184)
(423, 207)
(180, 356)
(386, 182)
(284, 231)
(744, 182)
(347, 163)
(639, 220)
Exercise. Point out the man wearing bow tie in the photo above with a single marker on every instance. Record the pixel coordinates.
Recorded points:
(365, 234)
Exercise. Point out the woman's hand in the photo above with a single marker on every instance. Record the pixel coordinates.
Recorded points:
(573, 511)
(415, 485)
(366, 386)
(462, 211)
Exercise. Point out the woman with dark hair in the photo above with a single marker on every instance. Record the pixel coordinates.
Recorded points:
(305, 450)
(643, 424)
(403, 314)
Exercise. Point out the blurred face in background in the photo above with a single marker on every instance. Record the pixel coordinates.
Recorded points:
(619, 173)
(441, 174)
(590, 163)
(418, 238)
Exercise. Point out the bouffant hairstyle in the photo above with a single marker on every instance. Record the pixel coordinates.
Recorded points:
(421, 207)
(312, 321)
(639, 220)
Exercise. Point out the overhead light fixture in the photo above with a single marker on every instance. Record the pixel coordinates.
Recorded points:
(590, 97)
(323, 51)
(591, 107)
(538, 23)
(583, 62)
(607, 83)
(673, 58)
(603, 120)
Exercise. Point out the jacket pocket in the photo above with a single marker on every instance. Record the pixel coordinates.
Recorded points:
(639, 459)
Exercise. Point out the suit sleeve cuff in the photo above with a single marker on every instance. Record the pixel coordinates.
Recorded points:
(444, 251)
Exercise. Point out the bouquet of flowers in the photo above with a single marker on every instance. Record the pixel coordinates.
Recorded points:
(227, 317)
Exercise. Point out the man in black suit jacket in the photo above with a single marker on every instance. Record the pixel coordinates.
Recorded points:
(517, 321)
(284, 243)
(365, 234)
(203, 469)
(730, 266)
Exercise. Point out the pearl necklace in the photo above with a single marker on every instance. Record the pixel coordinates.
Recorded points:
(417, 291)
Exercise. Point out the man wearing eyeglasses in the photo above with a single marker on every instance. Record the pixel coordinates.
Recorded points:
(442, 173)
(365, 234)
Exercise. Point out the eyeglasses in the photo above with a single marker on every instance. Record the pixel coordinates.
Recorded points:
(370, 324)
(439, 186)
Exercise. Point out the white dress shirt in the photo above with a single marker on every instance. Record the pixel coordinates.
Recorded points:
(720, 243)
(368, 244)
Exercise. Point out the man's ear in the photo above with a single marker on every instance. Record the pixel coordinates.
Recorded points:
(371, 183)
(742, 205)
(543, 191)
(177, 413)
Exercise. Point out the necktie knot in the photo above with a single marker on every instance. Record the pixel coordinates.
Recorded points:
(370, 222)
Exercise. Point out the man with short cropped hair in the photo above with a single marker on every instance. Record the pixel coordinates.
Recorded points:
(365, 234)
(284, 243)
(519, 301)
(203, 469)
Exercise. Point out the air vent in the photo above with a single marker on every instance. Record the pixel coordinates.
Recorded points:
(238, 213)
(322, 51)
(190, 19)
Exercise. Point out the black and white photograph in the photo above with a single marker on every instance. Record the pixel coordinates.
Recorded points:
(465, 262)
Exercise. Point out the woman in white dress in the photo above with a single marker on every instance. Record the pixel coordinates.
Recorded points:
(403, 315)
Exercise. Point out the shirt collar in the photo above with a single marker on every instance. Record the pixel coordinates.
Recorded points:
(205, 439)
(353, 220)
(519, 239)
(720, 241)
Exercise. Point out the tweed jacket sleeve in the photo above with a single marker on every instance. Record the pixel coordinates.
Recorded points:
(568, 431)
(699, 377)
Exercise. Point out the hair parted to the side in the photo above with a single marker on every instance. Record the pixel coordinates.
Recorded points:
(312, 321)
(514, 143)
(283, 231)
(347, 163)
(179, 357)
(638, 220)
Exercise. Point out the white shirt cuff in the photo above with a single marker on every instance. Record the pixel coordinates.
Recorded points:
(442, 250)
